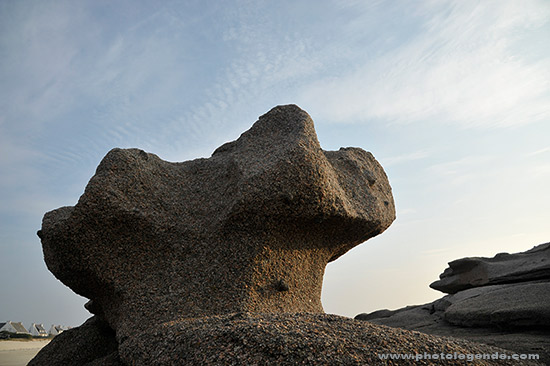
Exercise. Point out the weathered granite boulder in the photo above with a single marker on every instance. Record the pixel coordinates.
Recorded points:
(514, 314)
(249, 229)
(466, 273)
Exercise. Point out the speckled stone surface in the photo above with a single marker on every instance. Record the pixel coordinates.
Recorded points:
(249, 229)
(273, 339)
(92, 343)
(297, 339)
(220, 261)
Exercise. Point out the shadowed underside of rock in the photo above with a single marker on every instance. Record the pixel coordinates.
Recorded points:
(249, 229)
(92, 343)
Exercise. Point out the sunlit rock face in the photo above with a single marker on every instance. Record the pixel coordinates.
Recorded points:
(249, 229)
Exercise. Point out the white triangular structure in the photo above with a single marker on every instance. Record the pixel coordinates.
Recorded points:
(13, 327)
(37, 330)
(56, 329)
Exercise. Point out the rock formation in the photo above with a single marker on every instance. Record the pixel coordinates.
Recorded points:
(92, 343)
(503, 301)
(277, 339)
(221, 260)
(249, 229)
(467, 273)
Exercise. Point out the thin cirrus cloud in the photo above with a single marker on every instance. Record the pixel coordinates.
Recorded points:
(405, 158)
(538, 152)
(463, 170)
(466, 66)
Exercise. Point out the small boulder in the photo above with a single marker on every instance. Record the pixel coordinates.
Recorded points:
(92, 343)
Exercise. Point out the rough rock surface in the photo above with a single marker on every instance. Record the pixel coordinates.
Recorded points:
(92, 343)
(289, 339)
(249, 229)
(514, 315)
(503, 306)
(220, 261)
(466, 273)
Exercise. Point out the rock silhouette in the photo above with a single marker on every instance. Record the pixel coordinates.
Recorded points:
(503, 301)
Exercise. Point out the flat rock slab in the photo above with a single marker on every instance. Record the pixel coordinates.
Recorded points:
(504, 268)
(503, 306)
(513, 315)
(423, 319)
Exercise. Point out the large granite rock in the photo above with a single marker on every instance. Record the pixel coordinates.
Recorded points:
(249, 229)
(466, 273)
(220, 261)
(514, 314)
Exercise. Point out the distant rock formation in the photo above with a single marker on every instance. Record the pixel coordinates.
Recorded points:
(502, 301)
(467, 273)
(221, 260)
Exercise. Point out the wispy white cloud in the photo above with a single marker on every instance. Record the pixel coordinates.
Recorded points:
(394, 160)
(406, 211)
(37, 54)
(538, 152)
(465, 170)
(466, 66)
(466, 162)
(84, 84)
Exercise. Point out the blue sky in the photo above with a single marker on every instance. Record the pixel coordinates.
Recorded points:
(452, 97)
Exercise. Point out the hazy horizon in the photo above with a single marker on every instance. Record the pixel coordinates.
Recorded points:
(452, 98)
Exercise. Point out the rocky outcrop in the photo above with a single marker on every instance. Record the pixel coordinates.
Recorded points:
(503, 301)
(249, 229)
(283, 339)
(524, 305)
(258, 339)
(92, 343)
(220, 261)
(467, 273)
